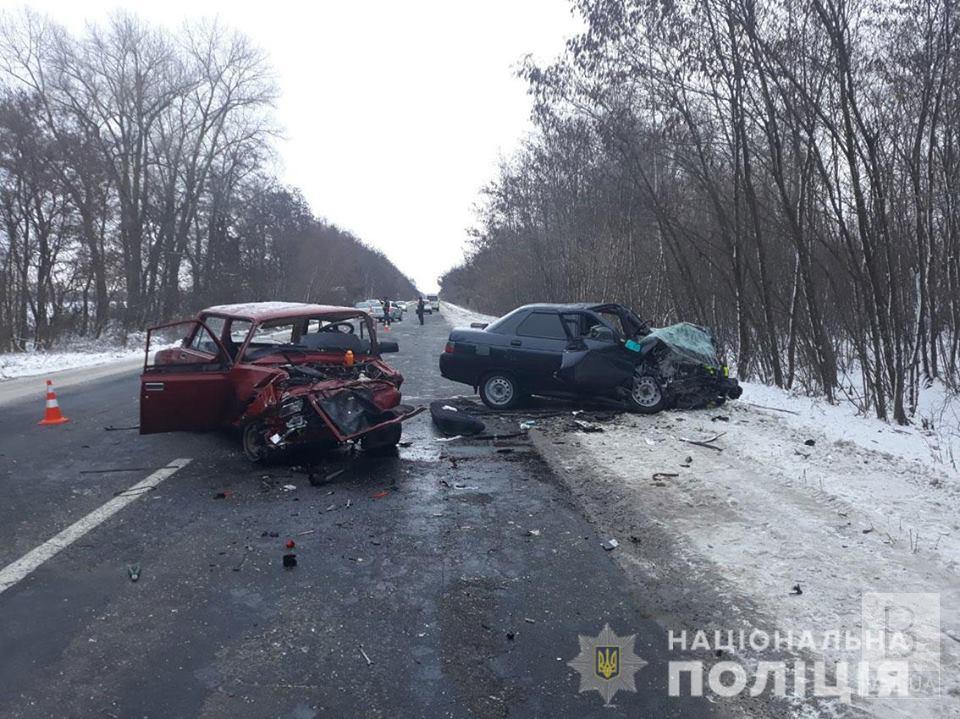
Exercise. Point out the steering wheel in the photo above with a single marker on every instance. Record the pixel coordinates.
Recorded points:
(342, 327)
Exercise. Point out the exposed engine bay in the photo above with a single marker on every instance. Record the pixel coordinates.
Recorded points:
(310, 401)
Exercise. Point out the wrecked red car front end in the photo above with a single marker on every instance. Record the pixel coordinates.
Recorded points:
(324, 402)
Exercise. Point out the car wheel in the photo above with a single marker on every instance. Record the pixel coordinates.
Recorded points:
(499, 390)
(254, 443)
(646, 394)
(383, 440)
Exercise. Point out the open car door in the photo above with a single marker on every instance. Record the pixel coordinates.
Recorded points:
(184, 385)
(595, 361)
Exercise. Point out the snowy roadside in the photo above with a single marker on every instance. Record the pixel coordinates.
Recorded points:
(30, 364)
(460, 316)
(840, 505)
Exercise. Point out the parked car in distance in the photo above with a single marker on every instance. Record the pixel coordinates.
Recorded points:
(285, 374)
(372, 307)
(599, 350)
(396, 311)
(434, 302)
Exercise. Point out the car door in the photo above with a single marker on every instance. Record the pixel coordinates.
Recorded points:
(594, 361)
(536, 350)
(185, 383)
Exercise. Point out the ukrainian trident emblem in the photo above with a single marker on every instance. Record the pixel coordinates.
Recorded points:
(607, 664)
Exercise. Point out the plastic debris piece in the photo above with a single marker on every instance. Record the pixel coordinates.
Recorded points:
(134, 572)
(610, 544)
(380, 495)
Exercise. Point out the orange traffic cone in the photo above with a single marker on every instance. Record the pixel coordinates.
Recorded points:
(53, 415)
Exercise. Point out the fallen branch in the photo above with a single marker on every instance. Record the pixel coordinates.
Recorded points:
(775, 409)
(705, 442)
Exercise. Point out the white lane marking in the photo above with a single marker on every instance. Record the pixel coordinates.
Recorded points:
(13, 573)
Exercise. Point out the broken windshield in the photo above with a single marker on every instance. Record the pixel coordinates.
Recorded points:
(309, 333)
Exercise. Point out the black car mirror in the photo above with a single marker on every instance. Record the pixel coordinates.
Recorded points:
(602, 333)
(388, 346)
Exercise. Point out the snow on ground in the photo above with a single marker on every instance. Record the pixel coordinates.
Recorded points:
(73, 355)
(841, 505)
(461, 316)
(933, 439)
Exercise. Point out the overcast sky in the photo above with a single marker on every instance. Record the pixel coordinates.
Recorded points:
(395, 114)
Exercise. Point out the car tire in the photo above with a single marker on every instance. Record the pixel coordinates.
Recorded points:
(645, 394)
(254, 445)
(499, 390)
(382, 441)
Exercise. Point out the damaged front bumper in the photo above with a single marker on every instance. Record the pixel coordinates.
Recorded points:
(325, 413)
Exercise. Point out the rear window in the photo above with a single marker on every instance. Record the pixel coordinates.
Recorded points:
(542, 324)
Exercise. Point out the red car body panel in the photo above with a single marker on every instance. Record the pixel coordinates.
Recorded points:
(201, 385)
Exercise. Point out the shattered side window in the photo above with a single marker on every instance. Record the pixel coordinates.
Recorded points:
(239, 330)
(613, 321)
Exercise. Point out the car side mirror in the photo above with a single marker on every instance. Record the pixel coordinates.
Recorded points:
(388, 346)
(602, 333)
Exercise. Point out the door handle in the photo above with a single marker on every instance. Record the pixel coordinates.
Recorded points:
(514, 343)
(153, 386)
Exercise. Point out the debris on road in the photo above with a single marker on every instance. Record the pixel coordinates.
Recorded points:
(290, 544)
(289, 487)
(380, 495)
(533, 532)
(579, 424)
(610, 544)
(528, 424)
(705, 442)
(796, 591)
(810, 442)
(366, 658)
(316, 481)
(134, 572)
(289, 561)
(225, 494)
(451, 421)
(111, 428)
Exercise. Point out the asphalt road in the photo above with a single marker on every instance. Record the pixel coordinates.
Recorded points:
(420, 590)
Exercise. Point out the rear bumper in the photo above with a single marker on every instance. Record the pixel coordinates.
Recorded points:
(458, 369)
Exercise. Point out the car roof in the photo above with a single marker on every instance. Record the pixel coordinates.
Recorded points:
(261, 311)
(568, 307)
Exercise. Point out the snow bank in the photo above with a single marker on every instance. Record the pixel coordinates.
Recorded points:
(934, 439)
(80, 354)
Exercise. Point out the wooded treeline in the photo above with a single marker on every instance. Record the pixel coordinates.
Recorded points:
(786, 171)
(135, 184)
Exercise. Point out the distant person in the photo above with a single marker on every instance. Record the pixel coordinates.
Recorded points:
(420, 309)
(386, 312)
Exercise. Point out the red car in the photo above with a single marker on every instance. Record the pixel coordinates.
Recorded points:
(284, 373)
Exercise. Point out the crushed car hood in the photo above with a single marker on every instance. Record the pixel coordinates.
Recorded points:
(687, 342)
